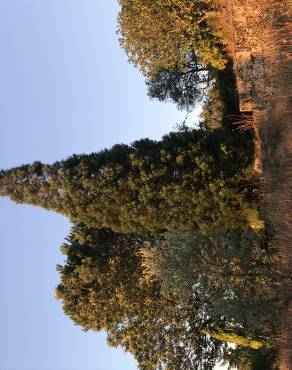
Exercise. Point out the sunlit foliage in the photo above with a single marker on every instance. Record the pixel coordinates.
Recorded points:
(189, 178)
(159, 34)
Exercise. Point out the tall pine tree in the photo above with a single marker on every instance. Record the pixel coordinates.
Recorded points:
(188, 179)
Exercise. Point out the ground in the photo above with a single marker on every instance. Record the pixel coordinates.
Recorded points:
(259, 40)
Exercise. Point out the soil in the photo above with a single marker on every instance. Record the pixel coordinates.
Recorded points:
(259, 40)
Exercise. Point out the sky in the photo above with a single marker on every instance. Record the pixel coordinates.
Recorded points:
(65, 87)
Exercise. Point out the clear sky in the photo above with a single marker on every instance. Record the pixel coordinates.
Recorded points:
(65, 88)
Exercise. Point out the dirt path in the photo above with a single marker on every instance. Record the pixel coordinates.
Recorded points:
(260, 43)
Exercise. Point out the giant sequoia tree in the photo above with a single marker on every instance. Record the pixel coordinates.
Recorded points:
(189, 178)
(102, 288)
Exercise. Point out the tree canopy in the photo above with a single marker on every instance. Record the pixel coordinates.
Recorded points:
(102, 288)
(159, 34)
(229, 273)
(166, 319)
(189, 178)
(184, 88)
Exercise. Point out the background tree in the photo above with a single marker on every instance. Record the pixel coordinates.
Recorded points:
(229, 273)
(244, 358)
(184, 88)
(103, 288)
(190, 178)
(159, 34)
(212, 112)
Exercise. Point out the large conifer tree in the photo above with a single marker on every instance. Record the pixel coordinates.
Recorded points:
(189, 179)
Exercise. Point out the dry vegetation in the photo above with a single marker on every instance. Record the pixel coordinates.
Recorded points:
(259, 39)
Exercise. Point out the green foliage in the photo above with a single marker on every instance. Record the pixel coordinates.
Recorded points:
(184, 88)
(244, 358)
(212, 112)
(229, 272)
(107, 284)
(159, 34)
(190, 178)
(102, 288)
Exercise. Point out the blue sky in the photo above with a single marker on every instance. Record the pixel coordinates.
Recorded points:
(65, 88)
